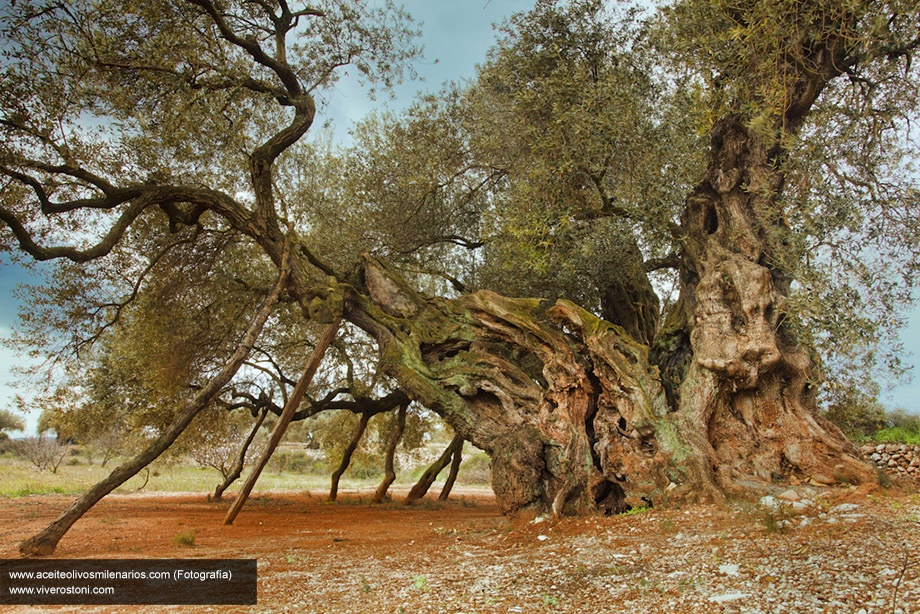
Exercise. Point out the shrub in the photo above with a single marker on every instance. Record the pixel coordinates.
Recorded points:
(476, 469)
(185, 538)
(43, 452)
(365, 467)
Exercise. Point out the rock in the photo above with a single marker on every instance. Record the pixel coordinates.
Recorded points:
(729, 570)
(771, 502)
(789, 495)
(733, 596)
(844, 508)
(891, 448)
(880, 448)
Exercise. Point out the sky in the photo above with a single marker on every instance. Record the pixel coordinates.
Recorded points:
(456, 35)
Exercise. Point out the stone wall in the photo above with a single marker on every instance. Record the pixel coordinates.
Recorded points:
(899, 459)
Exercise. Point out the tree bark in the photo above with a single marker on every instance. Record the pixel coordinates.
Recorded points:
(346, 456)
(322, 344)
(431, 474)
(389, 464)
(452, 476)
(44, 542)
(237, 469)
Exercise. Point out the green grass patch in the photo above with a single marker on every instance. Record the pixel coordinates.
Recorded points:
(897, 434)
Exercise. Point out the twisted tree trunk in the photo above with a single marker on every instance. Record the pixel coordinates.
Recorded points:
(431, 473)
(389, 463)
(740, 377)
(576, 417)
(346, 456)
(237, 469)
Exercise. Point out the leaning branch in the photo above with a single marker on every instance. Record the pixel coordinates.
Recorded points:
(28, 245)
(44, 542)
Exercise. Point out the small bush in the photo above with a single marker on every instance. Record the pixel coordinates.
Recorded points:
(298, 462)
(365, 468)
(476, 469)
(43, 452)
(185, 538)
(279, 461)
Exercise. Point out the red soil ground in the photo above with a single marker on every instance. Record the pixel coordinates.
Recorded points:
(464, 557)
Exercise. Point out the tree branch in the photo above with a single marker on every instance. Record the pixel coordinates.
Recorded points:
(671, 261)
(28, 245)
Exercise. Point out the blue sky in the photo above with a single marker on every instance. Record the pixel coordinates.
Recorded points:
(456, 34)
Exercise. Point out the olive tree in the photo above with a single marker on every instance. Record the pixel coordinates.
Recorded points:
(176, 119)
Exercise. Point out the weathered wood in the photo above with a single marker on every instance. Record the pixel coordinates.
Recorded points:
(44, 542)
(575, 414)
(290, 407)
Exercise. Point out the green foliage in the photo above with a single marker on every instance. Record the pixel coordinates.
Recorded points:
(567, 106)
(855, 411)
(859, 414)
(419, 583)
(633, 511)
(898, 434)
(10, 422)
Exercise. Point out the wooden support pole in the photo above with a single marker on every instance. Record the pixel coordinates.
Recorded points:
(452, 476)
(296, 397)
(431, 474)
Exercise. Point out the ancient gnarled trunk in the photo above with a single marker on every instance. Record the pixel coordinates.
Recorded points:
(742, 379)
(575, 416)
(572, 413)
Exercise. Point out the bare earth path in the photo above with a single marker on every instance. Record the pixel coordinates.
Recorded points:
(849, 552)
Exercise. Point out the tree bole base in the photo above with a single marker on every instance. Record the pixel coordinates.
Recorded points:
(575, 415)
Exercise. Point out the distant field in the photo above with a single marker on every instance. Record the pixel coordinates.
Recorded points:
(19, 478)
